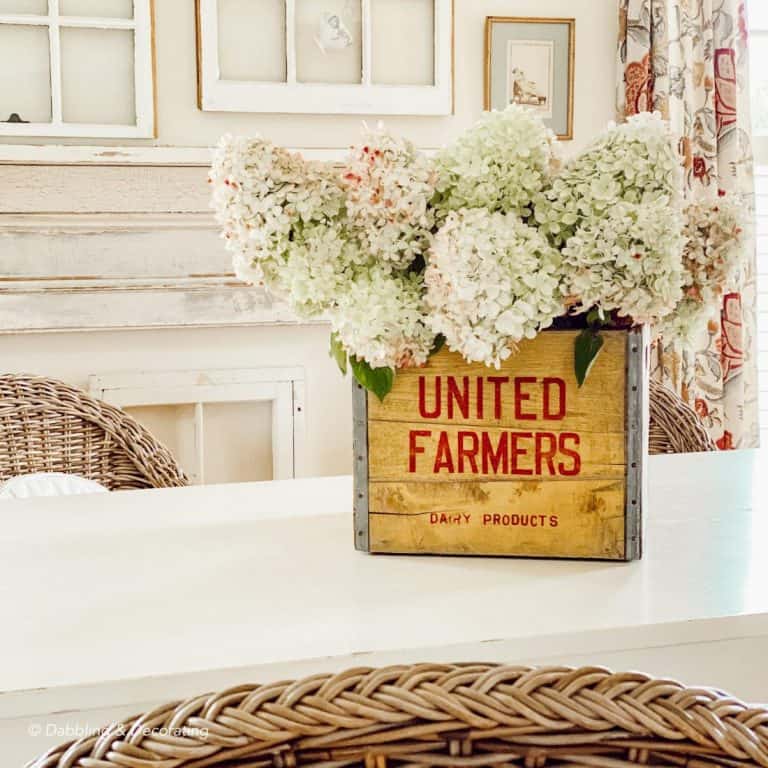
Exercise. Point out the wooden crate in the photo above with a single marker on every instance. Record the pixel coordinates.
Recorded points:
(462, 459)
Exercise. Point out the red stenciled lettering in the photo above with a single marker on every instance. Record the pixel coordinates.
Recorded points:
(443, 458)
(468, 453)
(515, 452)
(496, 460)
(551, 413)
(546, 454)
(497, 382)
(522, 397)
(480, 394)
(415, 449)
(458, 396)
(554, 521)
(424, 412)
(575, 466)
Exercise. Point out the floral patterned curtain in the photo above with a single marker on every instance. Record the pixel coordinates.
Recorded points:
(688, 60)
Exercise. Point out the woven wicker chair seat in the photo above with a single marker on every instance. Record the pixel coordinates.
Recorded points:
(438, 715)
(49, 426)
(674, 426)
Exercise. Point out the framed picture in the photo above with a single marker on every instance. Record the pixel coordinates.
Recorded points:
(392, 57)
(531, 62)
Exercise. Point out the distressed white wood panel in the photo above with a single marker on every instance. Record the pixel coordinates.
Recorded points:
(103, 189)
(48, 154)
(137, 256)
(102, 223)
(127, 308)
(100, 238)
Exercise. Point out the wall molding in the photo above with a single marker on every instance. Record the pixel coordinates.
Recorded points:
(117, 238)
(50, 154)
(100, 223)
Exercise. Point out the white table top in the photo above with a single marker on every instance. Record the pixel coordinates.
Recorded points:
(146, 583)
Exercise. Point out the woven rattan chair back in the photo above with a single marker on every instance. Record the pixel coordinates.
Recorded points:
(437, 715)
(675, 427)
(49, 426)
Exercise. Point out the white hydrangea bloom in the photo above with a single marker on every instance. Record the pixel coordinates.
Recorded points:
(380, 318)
(389, 185)
(501, 164)
(491, 282)
(634, 162)
(629, 260)
(712, 257)
(316, 270)
(263, 194)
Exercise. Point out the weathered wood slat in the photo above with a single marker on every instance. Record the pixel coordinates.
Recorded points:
(467, 454)
(113, 256)
(597, 407)
(104, 189)
(576, 518)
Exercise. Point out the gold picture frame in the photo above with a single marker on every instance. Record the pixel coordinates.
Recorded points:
(548, 53)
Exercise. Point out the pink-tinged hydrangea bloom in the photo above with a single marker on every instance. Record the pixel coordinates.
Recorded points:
(389, 185)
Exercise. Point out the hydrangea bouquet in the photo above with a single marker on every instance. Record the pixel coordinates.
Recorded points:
(479, 247)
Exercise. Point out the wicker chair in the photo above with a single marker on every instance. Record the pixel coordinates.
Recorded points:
(674, 427)
(437, 715)
(48, 426)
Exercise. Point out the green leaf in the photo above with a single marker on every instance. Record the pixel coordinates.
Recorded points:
(438, 344)
(338, 353)
(376, 380)
(588, 345)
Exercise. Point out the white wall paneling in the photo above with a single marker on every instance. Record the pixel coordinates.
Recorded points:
(363, 96)
(282, 387)
(71, 52)
(111, 238)
(92, 245)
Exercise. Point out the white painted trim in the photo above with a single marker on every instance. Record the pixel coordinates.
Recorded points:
(102, 223)
(141, 24)
(202, 387)
(220, 95)
(290, 44)
(144, 68)
(54, 38)
(73, 131)
(87, 22)
(367, 43)
(49, 154)
(141, 308)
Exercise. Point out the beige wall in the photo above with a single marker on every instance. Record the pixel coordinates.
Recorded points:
(181, 124)
(596, 29)
(73, 356)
